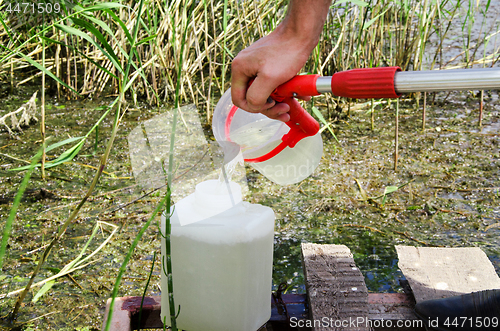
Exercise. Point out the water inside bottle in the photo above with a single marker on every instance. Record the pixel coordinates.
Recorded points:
(259, 137)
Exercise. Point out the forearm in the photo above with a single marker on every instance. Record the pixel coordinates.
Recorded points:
(304, 20)
(276, 58)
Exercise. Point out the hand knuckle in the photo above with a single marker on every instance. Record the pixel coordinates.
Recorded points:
(255, 102)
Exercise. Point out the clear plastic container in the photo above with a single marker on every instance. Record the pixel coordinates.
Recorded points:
(293, 165)
(259, 136)
(222, 251)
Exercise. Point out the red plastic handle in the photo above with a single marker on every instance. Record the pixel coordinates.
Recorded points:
(301, 123)
(298, 86)
(365, 83)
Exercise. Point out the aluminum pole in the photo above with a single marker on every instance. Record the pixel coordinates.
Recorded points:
(447, 80)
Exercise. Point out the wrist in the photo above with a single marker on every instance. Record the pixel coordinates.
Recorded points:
(301, 38)
(304, 21)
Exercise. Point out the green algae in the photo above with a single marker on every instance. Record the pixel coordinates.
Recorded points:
(452, 201)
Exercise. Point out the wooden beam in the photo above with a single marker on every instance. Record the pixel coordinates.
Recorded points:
(336, 289)
(126, 313)
(435, 273)
(387, 307)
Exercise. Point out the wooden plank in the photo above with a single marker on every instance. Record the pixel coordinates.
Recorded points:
(393, 312)
(336, 289)
(120, 321)
(387, 307)
(126, 313)
(391, 306)
(444, 272)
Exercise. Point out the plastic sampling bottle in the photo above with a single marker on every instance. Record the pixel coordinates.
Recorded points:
(222, 256)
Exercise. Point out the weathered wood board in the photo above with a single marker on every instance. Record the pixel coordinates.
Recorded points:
(336, 288)
(391, 306)
(435, 273)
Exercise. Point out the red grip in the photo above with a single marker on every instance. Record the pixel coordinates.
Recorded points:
(298, 86)
(368, 83)
(301, 123)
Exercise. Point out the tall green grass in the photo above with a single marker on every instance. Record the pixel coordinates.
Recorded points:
(356, 34)
(83, 20)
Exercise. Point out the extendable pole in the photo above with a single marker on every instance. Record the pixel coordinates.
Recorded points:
(390, 82)
(373, 83)
(447, 80)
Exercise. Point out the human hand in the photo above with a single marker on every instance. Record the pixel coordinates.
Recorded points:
(271, 61)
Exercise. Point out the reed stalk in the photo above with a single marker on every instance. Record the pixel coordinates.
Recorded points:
(167, 263)
(424, 106)
(224, 52)
(187, 13)
(11, 77)
(372, 111)
(146, 286)
(481, 105)
(42, 121)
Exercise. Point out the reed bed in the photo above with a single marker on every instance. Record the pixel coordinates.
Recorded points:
(357, 34)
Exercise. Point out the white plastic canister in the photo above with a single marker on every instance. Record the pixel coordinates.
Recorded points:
(222, 256)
